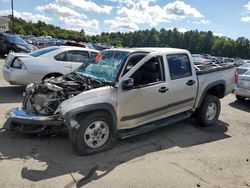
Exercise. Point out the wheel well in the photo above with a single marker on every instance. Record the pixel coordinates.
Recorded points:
(217, 90)
(52, 74)
(82, 114)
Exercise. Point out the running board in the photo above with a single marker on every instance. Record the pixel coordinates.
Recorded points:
(125, 133)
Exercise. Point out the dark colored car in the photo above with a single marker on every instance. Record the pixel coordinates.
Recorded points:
(9, 43)
(73, 43)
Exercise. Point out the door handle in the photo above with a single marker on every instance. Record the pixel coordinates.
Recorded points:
(190, 82)
(163, 90)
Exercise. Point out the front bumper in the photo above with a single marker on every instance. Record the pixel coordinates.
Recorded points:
(22, 121)
(241, 92)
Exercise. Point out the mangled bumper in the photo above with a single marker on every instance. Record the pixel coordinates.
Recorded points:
(20, 120)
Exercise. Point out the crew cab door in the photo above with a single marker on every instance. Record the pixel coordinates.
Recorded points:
(182, 79)
(146, 100)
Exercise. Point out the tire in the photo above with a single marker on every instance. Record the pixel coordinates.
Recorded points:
(240, 98)
(208, 113)
(79, 137)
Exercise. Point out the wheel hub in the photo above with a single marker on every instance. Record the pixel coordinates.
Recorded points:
(96, 134)
(211, 111)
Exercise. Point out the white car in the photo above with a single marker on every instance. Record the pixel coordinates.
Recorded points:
(242, 86)
(22, 69)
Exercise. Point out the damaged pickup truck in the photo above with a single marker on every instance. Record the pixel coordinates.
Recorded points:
(123, 92)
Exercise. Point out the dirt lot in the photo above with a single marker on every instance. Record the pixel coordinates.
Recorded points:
(180, 155)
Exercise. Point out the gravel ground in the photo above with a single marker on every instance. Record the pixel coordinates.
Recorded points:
(180, 155)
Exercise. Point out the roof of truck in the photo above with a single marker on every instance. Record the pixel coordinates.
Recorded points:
(150, 49)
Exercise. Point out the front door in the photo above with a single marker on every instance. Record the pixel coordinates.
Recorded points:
(147, 100)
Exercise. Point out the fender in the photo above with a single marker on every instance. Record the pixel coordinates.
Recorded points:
(209, 86)
(70, 117)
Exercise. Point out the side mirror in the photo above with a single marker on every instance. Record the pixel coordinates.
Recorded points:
(128, 84)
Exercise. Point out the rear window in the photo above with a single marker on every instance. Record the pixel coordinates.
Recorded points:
(15, 39)
(43, 51)
(179, 66)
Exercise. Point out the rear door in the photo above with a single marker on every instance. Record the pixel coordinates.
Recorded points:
(182, 81)
(61, 61)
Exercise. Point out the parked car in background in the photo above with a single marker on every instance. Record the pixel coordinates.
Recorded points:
(22, 69)
(73, 43)
(200, 60)
(239, 62)
(13, 43)
(242, 86)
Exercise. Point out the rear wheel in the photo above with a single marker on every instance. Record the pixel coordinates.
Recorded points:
(95, 134)
(208, 113)
(240, 98)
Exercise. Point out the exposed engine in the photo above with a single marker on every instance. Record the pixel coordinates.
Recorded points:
(44, 98)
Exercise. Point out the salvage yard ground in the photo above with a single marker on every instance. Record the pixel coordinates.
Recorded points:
(180, 155)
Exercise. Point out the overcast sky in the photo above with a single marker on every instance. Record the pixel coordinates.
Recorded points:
(229, 18)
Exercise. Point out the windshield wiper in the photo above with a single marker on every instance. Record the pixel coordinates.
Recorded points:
(100, 81)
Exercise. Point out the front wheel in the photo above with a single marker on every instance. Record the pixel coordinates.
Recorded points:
(208, 113)
(95, 134)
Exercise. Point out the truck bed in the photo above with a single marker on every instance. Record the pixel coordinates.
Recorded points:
(211, 67)
(209, 74)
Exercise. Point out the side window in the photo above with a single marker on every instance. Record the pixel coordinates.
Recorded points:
(179, 66)
(61, 57)
(132, 61)
(150, 72)
(2, 38)
(78, 56)
(93, 54)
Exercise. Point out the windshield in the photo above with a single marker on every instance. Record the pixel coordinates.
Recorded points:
(105, 66)
(43, 51)
(15, 39)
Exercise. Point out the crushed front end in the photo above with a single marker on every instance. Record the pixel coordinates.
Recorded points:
(26, 122)
(40, 111)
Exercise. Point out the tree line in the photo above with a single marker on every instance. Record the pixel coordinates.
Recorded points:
(195, 41)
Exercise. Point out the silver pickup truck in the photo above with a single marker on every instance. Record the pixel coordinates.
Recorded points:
(123, 92)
